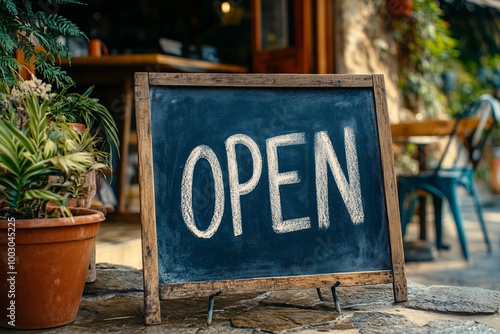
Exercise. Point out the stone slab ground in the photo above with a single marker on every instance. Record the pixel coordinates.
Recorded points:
(114, 304)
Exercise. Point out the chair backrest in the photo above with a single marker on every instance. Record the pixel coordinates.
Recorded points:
(487, 110)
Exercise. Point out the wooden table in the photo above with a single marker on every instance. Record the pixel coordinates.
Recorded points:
(149, 62)
(424, 132)
(118, 71)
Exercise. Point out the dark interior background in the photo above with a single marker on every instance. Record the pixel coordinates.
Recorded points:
(135, 26)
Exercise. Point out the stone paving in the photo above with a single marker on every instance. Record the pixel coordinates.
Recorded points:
(446, 295)
(448, 266)
(114, 304)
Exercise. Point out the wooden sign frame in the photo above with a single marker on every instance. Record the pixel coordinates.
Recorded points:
(154, 292)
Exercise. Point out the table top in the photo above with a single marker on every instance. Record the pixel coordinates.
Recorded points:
(154, 61)
(432, 128)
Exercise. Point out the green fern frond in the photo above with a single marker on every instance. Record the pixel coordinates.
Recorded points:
(6, 43)
(53, 73)
(57, 25)
(9, 6)
(20, 22)
(28, 7)
(8, 68)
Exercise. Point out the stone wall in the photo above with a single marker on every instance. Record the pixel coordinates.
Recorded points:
(365, 46)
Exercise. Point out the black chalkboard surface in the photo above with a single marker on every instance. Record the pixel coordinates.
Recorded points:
(262, 182)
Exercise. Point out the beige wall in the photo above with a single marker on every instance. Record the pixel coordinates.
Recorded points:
(364, 45)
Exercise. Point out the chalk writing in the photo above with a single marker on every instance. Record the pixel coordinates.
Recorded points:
(350, 192)
(206, 153)
(324, 157)
(276, 179)
(235, 188)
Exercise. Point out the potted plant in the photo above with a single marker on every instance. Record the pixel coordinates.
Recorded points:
(32, 29)
(43, 163)
(45, 245)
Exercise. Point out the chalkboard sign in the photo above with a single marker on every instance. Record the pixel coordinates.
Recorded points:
(256, 182)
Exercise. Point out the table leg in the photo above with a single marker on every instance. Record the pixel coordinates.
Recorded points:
(422, 201)
(128, 90)
(422, 212)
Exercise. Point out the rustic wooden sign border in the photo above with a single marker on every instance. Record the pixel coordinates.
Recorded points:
(154, 292)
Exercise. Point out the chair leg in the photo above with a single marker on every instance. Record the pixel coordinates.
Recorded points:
(451, 195)
(403, 214)
(479, 211)
(438, 221)
(408, 212)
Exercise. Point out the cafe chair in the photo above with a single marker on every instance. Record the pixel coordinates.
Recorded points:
(443, 181)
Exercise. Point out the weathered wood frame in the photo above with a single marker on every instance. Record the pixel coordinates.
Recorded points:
(153, 292)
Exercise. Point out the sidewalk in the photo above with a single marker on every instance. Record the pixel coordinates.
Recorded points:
(449, 267)
(114, 304)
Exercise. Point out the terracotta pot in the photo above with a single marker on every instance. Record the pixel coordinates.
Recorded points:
(399, 7)
(42, 283)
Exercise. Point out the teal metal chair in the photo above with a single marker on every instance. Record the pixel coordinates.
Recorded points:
(442, 182)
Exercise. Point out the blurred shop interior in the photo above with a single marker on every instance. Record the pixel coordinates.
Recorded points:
(248, 36)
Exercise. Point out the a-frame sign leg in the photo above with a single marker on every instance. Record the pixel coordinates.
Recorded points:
(320, 294)
(335, 297)
(211, 307)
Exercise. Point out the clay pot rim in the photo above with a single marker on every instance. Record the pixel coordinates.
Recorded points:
(81, 216)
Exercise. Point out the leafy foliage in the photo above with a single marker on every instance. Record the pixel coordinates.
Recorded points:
(470, 85)
(42, 161)
(24, 23)
(426, 49)
(81, 108)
